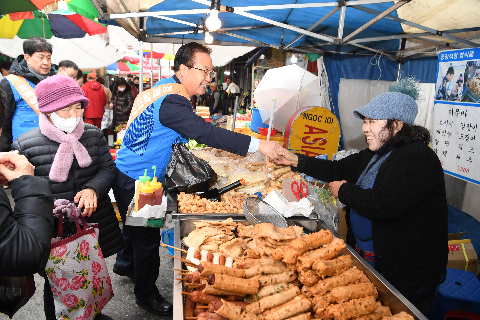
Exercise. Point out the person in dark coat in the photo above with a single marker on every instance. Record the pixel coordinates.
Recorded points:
(26, 231)
(122, 101)
(395, 192)
(74, 158)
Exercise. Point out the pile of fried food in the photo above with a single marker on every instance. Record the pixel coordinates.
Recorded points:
(259, 175)
(231, 202)
(474, 85)
(282, 274)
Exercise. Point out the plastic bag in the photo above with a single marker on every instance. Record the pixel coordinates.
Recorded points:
(15, 293)
(107, 119)
(187, 173)
(324, 205)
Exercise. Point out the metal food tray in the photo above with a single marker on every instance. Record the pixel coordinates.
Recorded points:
(387, 294)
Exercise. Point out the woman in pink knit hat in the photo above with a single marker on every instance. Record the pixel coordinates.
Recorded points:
(75, 159)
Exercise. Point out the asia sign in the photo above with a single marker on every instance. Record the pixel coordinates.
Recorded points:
(313, 131)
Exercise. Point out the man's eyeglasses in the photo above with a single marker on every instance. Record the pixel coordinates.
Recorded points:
(209, 73)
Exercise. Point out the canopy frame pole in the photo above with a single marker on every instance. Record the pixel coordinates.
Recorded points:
(376, 19)
(313, 26)
(270, 123)
(341, 22)
(286, 26)
(151, 65)
(141, 38)
(159, 70)
(430, 51)
(131, 19)
(243, 9)
(415, 25)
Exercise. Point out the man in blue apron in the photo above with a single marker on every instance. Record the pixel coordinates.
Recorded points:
(148, 142)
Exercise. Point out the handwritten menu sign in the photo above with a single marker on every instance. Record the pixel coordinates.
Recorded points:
(456, 129)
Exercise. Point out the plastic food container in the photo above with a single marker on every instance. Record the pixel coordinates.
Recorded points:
(264, 131)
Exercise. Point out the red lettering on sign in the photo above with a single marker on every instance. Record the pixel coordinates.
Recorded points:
(310, 154)
(314, 130)
(323, 141)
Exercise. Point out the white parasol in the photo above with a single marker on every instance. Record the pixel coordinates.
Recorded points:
(292, 88)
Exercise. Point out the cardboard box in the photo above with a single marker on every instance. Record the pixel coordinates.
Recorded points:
(462, 256)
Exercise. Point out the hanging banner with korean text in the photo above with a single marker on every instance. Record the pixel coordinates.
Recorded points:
(312, 131)
(456, 113)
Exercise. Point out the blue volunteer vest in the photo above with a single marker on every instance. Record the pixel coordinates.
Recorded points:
(24, 119)
(148, 143)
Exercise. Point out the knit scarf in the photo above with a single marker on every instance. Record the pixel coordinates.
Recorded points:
(69, 146)
(36, 74)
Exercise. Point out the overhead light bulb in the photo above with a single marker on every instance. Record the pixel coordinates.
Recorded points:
(208, 38)
(213, 23)
(294, 58)
(227, 73)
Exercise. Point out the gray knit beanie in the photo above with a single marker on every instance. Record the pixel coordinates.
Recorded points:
(389, 105)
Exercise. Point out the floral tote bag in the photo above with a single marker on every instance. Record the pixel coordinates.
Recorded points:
(77, 272)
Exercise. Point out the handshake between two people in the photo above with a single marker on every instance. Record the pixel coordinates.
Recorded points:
(277, 154)
(285, 157)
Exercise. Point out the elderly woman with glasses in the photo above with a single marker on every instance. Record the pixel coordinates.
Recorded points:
(74, 158)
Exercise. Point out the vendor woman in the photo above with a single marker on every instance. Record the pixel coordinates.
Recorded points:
(148, 142)
(395, 192)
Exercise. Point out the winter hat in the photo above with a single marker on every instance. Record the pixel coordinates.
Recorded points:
(389, 105)
(58, 92)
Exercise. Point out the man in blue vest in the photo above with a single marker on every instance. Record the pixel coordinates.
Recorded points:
(34, 66)
(148, 142)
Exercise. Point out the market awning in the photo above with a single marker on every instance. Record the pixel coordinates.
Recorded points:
(397, 29)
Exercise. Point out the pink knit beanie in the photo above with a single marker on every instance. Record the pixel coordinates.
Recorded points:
(58, 92)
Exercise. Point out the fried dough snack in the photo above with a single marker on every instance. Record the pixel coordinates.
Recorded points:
(354, 291)
(232, 284)
(246, 263)
(268, 230)
(273, 300)
(399, 316)
(268, 280)
(320, 303)
(263, 270)
(297, 247)
(271, 290)
(207, 268)
(377, 314)
(308, 277)
(332, 250)
(303, 316)
(328, 268)
(231, 311)
(350, 276)
(297, 305)
(218, 292)
(352, 308)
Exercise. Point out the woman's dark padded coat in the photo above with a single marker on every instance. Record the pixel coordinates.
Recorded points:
(407, 206)
(99, 176)
(122, 105)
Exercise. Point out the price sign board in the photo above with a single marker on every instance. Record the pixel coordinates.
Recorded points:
(456, 114)
(313, 131)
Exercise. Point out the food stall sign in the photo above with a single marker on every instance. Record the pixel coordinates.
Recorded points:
(312, 131)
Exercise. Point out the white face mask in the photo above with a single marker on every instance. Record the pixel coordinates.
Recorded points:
(63, 124)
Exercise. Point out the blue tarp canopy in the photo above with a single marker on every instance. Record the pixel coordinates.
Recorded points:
(399, 29)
